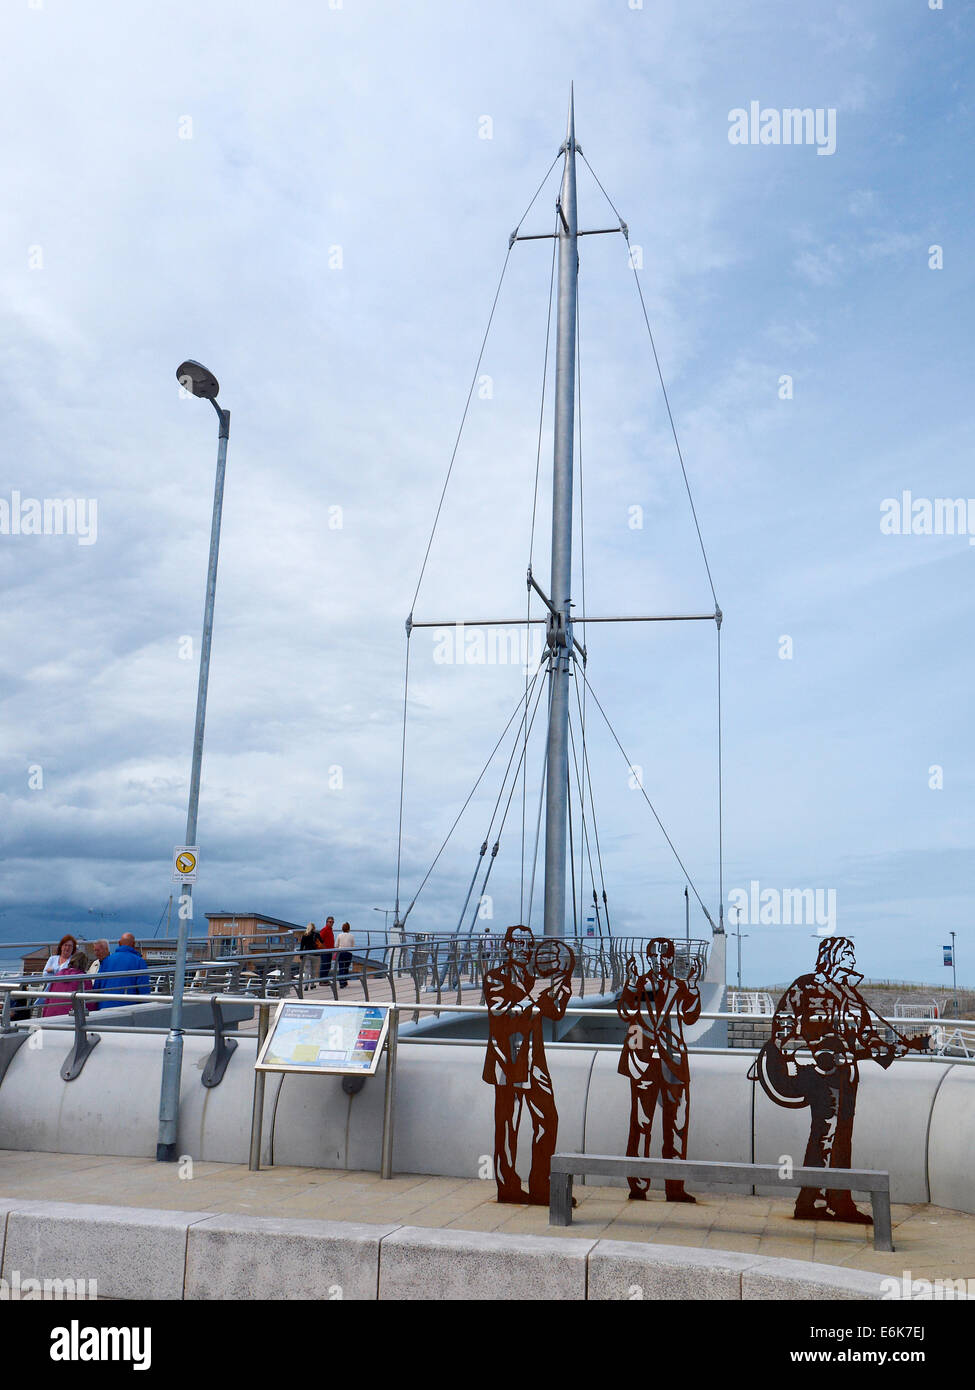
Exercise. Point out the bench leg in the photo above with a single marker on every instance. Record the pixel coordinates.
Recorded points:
(882, 1234)
(560, 1199)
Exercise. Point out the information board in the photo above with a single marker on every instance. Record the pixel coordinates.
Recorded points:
(333, 1038)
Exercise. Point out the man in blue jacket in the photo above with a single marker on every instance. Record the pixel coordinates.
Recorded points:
(122, 972)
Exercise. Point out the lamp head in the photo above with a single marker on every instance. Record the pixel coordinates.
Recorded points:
(198, 380)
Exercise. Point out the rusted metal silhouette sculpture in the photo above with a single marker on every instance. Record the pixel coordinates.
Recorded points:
(825, 1014)
(530, 985)
(655, 1006)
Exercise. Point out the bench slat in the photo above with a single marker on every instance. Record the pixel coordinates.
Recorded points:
(565, 1165)
(711, 1170)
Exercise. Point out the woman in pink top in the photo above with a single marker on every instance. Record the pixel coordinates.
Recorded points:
(70, 977)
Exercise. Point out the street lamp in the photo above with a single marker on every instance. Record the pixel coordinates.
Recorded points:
(199, 381)
(739, 936)
(954, 971)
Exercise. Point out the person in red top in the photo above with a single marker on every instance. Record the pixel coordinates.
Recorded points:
(327, 939)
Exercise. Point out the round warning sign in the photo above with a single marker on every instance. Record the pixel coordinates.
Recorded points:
(185, 863)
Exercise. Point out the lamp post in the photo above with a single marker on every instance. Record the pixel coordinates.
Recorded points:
(954, 971)
(199, 381)
(738, 934)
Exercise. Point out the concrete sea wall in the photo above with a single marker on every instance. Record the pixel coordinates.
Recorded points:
(135, 1253)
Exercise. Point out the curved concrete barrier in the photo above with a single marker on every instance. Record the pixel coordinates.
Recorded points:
(916, 1120)
(951, 1141)
(133, 1252)
(113, 1106)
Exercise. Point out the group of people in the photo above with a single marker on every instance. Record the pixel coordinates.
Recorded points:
(122, 971)
(319, 948)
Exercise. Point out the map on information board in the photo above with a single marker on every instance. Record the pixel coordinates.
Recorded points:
(345, 1038)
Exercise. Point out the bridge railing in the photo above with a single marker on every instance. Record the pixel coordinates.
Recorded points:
(451, 968)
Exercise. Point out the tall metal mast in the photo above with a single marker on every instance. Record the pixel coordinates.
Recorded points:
(560, 619)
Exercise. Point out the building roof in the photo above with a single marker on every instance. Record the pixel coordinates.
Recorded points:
(257, 916)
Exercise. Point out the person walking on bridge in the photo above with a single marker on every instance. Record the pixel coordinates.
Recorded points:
(345, 942)
(309, 942)
(123, 972)
(326, 939)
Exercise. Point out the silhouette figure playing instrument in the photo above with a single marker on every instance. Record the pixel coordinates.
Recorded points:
(530, 985)
(655, 1006)
(825, 1014)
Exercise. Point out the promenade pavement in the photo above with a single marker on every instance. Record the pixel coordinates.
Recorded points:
(931, 1242)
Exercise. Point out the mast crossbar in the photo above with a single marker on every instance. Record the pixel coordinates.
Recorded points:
(576, 618)
(552, 236)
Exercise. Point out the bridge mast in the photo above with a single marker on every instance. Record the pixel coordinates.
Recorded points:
(560, 618)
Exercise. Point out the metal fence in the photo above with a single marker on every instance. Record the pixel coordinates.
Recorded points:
(450, 968)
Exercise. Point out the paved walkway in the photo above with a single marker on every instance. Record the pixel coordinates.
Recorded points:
(931, 1242)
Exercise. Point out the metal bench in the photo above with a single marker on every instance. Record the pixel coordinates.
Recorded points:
(566, 1165)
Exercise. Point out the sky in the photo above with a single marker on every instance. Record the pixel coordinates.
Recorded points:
(315, 200)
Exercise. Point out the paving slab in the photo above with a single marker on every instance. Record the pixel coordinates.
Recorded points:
(931, 1241)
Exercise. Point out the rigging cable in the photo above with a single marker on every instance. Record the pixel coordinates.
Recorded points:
(595, 826)
(466, 803)
(504, 779)
(690, 881)
(717, 608)
(497, 844)
(586, 844)
(426, 555)
(470, 393)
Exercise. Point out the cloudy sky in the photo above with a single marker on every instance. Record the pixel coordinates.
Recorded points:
(315, 200)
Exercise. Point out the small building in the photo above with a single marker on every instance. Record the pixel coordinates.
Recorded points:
(237, 932)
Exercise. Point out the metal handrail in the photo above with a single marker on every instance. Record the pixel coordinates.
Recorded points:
(432, 1007)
